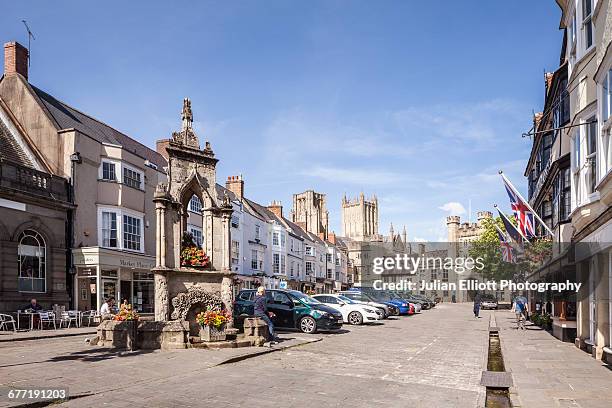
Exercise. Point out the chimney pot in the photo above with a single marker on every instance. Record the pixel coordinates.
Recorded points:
(15, 59)
(235, 185)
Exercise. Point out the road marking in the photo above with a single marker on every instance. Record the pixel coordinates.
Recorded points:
(422, 349)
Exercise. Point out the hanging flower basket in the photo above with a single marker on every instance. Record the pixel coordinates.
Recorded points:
(192, 256)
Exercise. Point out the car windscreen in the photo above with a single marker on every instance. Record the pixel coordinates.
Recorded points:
(305, 299)
(346, 300)
(380, 296)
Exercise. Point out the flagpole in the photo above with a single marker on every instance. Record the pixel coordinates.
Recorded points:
(503, 214)
(535, 214)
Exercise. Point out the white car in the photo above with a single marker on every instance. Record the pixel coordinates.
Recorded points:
(352, 313)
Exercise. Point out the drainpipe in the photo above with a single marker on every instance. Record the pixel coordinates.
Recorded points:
(75, 158)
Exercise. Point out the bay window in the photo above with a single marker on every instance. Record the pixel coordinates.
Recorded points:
(109, 229)
(275, 263)
(591, 145)
(132, 233)
(254, 263)
(132, 178)
(121, 229)
(108, 171)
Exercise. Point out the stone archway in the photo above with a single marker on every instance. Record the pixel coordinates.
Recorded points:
(188, 304)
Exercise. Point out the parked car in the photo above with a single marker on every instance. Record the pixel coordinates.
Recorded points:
(388, 309)
(403, 306)
(293, 310)
(418, 304)
(488, 302)
(430, 301)
(352, 312)
(425, 303)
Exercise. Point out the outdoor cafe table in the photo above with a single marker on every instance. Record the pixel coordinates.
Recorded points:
(24, 312)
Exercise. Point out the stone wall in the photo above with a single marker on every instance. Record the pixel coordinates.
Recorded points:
(150, 335)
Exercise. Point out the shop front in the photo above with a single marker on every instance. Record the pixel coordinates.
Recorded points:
(102, 273)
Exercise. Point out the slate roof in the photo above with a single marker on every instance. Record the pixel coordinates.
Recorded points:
(10, 149)
(67, 117)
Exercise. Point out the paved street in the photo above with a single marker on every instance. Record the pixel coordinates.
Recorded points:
(549, 373)
(433, 359)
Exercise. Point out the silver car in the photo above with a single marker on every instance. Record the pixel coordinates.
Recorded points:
(488, 304)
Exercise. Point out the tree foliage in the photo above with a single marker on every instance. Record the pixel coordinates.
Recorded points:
(531, 256)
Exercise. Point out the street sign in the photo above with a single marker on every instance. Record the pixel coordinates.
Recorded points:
(282, 285)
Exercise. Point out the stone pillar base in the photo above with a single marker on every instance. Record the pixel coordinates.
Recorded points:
(256, 331)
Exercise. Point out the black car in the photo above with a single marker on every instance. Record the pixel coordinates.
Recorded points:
(293, 310)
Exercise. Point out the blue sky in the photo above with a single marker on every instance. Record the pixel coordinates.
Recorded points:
(418, 103)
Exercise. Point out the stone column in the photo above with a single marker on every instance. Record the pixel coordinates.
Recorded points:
(226, 242)
(207, 220)
(227, 295)
(162, 305)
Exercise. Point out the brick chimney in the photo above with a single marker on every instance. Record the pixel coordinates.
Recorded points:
(331, 237)
(277, 208)
(160, 147)
(15, 59)
(235, 184)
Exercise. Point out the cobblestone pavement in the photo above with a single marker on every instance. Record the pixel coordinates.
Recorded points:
(549, 373)
(432, 360)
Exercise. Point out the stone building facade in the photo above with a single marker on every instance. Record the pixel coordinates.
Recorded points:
(35, 215)
(114, 178)
(360, 218)
(587, 27)
(310, 210)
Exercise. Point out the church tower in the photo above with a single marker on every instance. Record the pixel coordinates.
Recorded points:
(360, 217)
(310, 210)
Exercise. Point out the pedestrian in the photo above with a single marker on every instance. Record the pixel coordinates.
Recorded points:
(519, 309)
(33, 306)
(261, 310)
(107, 309)
(477, 305)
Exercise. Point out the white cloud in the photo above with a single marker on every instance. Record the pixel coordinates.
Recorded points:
(453, 208)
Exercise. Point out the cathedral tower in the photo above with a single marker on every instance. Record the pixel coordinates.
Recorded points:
(360, 217)
(310, 209)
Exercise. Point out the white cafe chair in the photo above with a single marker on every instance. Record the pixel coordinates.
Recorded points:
(6, 320)
(69, 317)
(46, 317)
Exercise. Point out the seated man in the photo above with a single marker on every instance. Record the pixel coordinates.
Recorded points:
(108, 308)
(261, 311)
(33, 305)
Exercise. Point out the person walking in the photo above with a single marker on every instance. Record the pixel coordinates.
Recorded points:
(519, 309)
(477, 305)
(261, 310)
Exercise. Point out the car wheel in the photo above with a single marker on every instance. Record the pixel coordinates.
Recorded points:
(355, 318)
(308, 325)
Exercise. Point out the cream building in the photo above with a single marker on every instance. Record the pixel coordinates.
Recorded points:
(588, 30)
(114, 179)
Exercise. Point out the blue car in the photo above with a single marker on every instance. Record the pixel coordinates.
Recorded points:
(382, 297)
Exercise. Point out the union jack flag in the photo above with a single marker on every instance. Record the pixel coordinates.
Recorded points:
(506, 248)
(523, 215)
